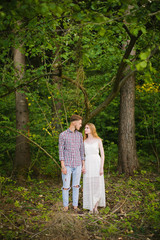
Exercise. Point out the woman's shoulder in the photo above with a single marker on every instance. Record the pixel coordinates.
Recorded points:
(86, 141)
(99, 140)
(95, 140)
(100, 144)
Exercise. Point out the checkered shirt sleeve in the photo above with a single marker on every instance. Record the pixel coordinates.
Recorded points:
(71, 148)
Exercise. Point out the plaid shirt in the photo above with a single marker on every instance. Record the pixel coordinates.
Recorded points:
(71, 148)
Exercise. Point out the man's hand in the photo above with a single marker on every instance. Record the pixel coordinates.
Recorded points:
(64, 170)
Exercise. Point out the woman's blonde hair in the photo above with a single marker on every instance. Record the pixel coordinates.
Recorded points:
(93, 131)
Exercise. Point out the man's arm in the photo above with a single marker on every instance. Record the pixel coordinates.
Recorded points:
(61, 154)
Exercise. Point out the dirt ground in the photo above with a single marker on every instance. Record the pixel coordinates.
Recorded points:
(33, 210)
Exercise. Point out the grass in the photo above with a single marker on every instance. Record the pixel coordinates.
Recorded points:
(33, 210)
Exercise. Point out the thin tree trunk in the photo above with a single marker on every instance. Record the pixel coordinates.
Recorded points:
(56, 103)
(127, 156)
(22, 156)
(57, 82)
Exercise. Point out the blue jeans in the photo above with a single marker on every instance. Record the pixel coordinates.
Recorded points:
(76, 175)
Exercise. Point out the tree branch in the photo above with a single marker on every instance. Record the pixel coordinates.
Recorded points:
(123, 63)
(102, 89)
(152, 14)
(110, 97)
(102, 106)
(153, 52)
(114, 91)
(127, 30)
(25, 84)
(86, 101)
(119, 81)
(16, 131)
(52, 74)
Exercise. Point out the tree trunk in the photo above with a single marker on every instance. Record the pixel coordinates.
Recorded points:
(56, 103)
(22, 157)
(127, 157)
(57, 82)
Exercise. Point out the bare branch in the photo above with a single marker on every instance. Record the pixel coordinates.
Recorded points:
(127, 30)
(118, 81)
(102, 88)
(102, 106)
(14, 224)
(154, 51)
(119, 207)
(115, 90)
(86, 101)
(55, 108)
(123, 63)
(26, 84)
(16, 131)
(152, 14)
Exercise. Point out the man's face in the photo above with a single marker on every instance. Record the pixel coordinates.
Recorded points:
(78, 124)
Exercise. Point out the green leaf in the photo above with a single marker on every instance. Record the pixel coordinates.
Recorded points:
(102, 32)
(44, 8)
(52, 6)
(144, 55)
(143, 30)
(151, 68)
(100, 18)
(143, 64)
(135, 31)
(59, 11)
(140, 66)
(158, 16)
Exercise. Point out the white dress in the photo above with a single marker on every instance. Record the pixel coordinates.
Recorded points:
(93, 183)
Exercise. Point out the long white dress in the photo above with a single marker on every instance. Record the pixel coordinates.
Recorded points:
(93, 183)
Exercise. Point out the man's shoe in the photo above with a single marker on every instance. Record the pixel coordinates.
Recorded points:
(65, 209)
(77, 211)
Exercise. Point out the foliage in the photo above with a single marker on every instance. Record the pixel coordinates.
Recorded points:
(30, 209)
(147, 115)
(83, 40)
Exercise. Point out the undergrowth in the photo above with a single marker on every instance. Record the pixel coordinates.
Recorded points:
(33, 210)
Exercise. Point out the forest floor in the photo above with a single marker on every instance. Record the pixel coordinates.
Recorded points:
(32, 209)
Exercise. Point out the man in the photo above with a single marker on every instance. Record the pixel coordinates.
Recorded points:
(71, 155)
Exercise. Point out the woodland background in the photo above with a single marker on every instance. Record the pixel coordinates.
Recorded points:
(98, 59)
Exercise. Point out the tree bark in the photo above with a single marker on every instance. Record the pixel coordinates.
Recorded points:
(56, 103)
(22, 156)
(57, 82)
(127, 156)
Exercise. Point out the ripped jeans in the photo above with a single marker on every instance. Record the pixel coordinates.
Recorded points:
(76, 175)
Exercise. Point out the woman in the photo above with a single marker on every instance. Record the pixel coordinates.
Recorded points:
(93, 179)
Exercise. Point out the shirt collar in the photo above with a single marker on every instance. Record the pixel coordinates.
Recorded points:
(71, 131)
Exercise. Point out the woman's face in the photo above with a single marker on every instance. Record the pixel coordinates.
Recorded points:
(87, 129)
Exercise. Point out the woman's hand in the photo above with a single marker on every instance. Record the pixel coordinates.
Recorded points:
(101, 171)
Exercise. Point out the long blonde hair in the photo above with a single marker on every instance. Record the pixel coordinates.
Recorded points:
(93, 131)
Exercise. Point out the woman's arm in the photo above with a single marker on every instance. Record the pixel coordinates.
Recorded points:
(102, 156)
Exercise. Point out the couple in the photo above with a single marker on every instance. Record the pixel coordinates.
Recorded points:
(73, 162)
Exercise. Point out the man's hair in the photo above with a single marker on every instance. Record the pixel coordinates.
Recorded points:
(75, 118)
